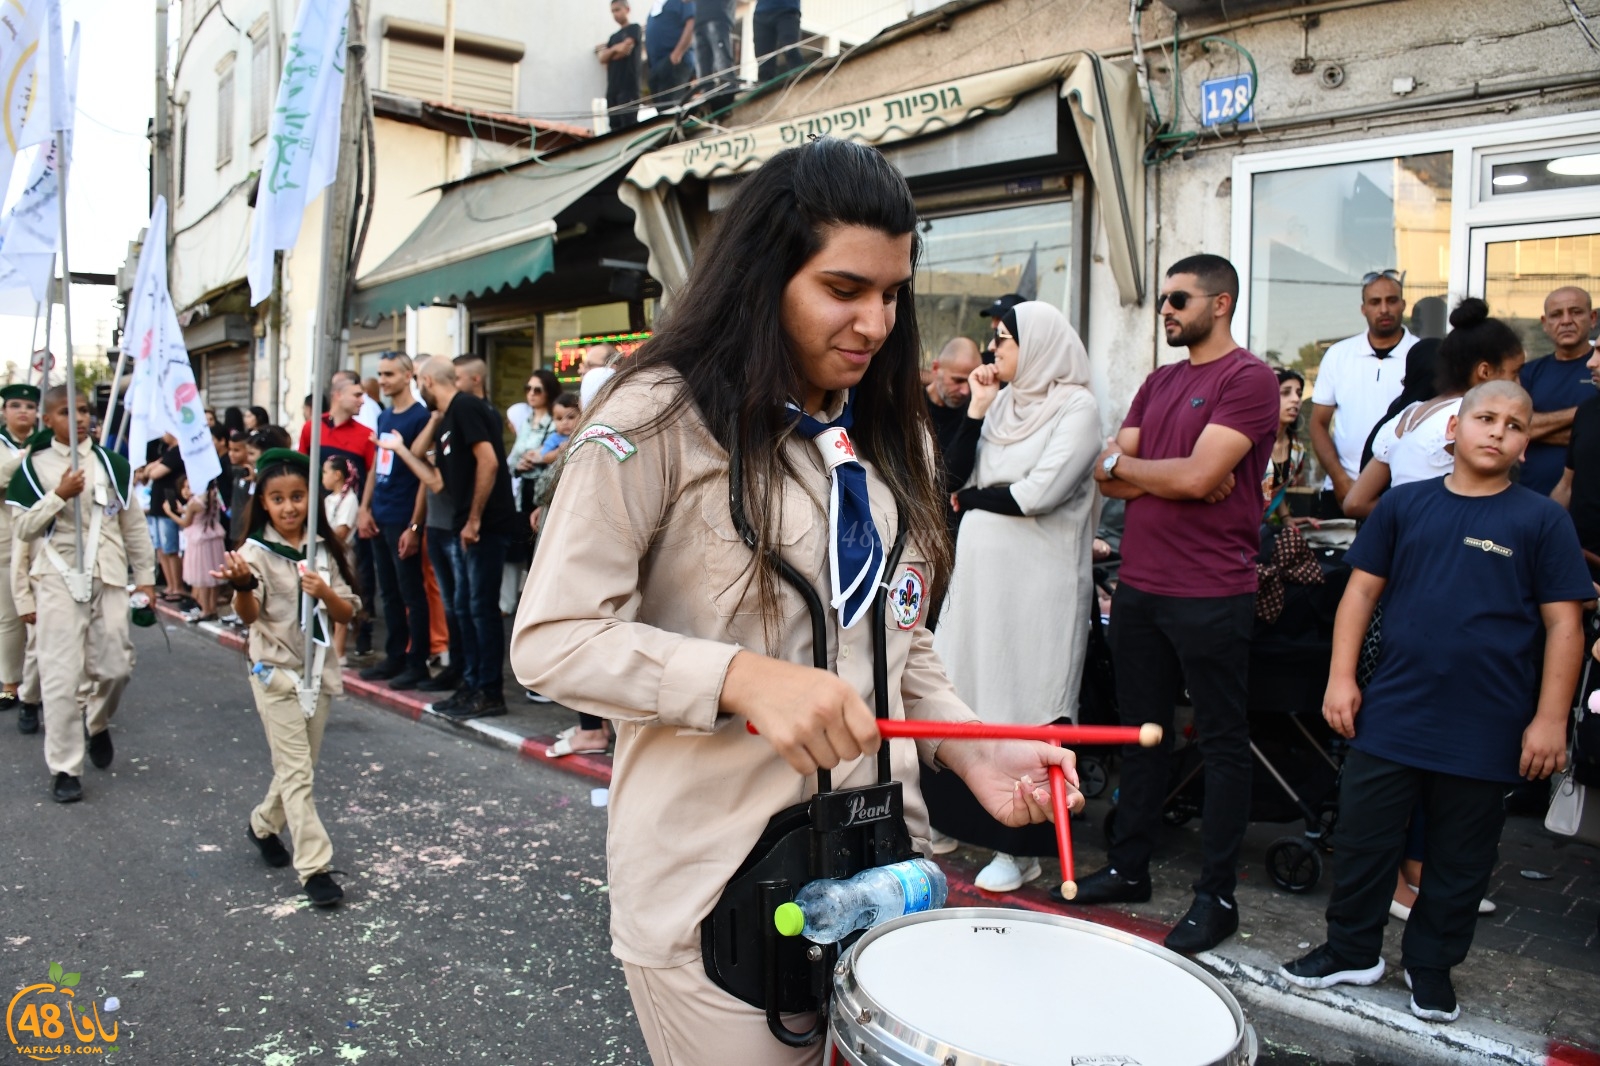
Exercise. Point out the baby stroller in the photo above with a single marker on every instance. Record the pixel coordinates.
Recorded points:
(1297, 756)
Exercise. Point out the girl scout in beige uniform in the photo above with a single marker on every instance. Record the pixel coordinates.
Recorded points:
(21, 404)
(269, 573)
(791, 353)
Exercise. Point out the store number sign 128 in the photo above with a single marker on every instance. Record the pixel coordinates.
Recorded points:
(1225, 100)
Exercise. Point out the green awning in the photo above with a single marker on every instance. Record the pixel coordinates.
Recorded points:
(495, 230)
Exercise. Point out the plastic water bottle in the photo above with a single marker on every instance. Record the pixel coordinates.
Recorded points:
(827, 910)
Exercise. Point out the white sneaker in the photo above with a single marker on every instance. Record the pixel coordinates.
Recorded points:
(941, 843)
(1004, 875)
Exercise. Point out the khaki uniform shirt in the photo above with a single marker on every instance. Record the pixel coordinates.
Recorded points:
(124, 538)
(11, 456)
(635, 606)
(275, 636)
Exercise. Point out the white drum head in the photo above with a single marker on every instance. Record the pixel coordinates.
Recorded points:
(1032, 993)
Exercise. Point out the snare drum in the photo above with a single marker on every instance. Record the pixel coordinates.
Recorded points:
(989, 987)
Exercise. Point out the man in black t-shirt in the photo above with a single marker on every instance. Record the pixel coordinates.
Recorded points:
(620, 56)
(1579, 488)
(471, 457)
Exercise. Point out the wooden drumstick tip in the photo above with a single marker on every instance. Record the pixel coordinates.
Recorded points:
(1069, 890)
(1149, 735)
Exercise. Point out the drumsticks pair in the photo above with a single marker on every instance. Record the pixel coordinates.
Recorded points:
(1146, 736)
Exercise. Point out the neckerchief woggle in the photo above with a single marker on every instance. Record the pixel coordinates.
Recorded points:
(856, 555)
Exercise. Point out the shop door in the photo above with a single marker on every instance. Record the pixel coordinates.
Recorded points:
(1515, 267)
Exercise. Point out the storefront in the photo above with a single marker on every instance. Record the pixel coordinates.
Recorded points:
(1508, 212)
(221, 347)
(528, 256)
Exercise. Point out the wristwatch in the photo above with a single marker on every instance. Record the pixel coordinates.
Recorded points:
(1110, 464)
(413, 528)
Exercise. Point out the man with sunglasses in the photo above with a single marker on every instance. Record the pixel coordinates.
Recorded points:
(1359, 378)
(1188, 460)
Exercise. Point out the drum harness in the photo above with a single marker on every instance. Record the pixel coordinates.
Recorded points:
(834, 834)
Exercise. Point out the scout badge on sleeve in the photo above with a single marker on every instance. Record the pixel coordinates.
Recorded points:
(905, 598)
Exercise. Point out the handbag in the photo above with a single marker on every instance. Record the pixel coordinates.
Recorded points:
(1574, 809)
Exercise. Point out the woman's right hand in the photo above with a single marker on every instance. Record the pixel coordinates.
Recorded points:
(812, 718)
(525, 464)
(983, 384)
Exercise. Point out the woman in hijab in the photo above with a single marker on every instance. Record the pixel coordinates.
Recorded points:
(1014, 629)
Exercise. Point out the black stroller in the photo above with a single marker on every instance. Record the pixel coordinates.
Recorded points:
(1298, 757)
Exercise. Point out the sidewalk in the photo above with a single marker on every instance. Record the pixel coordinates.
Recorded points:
(1529, 992)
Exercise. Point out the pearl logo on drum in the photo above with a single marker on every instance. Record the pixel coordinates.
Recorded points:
(1002, 930)
(1105, 1060)
(860, 812)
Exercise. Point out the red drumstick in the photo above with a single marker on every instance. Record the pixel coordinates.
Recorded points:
(1146, 736)
(1058, 799)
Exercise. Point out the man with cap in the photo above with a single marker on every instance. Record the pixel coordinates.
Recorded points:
(21, 413)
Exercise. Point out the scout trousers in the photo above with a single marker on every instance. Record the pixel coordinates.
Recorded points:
(1159, 644)
(12, 636)
(688, 1021)
(79, 642)
(1464, 818)
(294, 741)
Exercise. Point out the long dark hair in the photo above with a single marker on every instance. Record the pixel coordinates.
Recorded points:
(1474, 338)
(257, 520)
(1288, 374)
(723, 334)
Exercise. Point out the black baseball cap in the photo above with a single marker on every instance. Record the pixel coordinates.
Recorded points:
(1002, 305)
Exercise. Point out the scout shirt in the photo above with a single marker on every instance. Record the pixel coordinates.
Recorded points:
(275, 636)
(43, 516)
(11, 456)
(640, 595)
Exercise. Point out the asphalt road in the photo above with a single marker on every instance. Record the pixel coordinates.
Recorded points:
(474, 925)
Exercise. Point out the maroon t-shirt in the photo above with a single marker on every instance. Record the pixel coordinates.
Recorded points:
(1190, 548)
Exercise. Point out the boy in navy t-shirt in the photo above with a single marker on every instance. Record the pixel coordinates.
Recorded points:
(1475, 575)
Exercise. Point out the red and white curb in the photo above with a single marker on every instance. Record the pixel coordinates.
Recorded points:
(1472, 1040)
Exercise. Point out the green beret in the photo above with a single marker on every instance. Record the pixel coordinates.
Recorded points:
(287, 456)
(20, 392)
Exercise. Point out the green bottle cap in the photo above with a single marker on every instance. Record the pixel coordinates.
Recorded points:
(789, 919)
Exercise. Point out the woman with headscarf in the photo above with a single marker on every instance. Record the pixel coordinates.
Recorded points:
(1014, 630)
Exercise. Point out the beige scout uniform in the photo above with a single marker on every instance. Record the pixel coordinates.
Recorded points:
(639, 626)
(13, 637)
(277, 641)
(81, 641)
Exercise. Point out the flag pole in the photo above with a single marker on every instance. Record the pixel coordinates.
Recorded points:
(336, 207)
(66, 326)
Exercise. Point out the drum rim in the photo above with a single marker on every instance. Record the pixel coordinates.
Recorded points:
(850, 1000)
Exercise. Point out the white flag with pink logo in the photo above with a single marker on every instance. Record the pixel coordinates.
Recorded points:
(162, 397)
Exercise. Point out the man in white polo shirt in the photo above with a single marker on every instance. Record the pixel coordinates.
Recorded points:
(1359, 378)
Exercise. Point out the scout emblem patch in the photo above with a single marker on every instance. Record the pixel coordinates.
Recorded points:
(621, 448)
(905, 599)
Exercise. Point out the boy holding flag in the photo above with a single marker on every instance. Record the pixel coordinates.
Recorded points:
(81, 625)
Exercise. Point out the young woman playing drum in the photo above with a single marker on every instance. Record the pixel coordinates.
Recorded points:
(647, 605)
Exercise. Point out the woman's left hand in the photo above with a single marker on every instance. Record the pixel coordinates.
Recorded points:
(1011, 778)
(312, 584)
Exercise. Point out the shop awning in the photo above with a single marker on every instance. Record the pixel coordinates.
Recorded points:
(494, 230)
(1107, 111)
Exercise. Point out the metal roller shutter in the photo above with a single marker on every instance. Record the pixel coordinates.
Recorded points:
(227, 379)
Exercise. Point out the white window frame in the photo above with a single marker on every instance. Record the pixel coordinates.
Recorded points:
(227, 109)
(1470, 205)
(263, 82)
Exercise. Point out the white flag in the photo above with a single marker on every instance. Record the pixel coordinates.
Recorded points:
(33, 226)
(302, 142)
(162, 397)
(24, 117)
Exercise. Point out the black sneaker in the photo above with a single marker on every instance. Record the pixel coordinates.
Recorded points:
(323, 890)
(9, 701)
(491, 705)
(28, 718)
(449, 703)
(271, 847)
(1433, 997)
(410, 677)
(66, 789)
(1210, 921)
(1107, 886)
(448, 680)
(471, 707)
(382, 671)
(1323, 968)
(100, 750)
